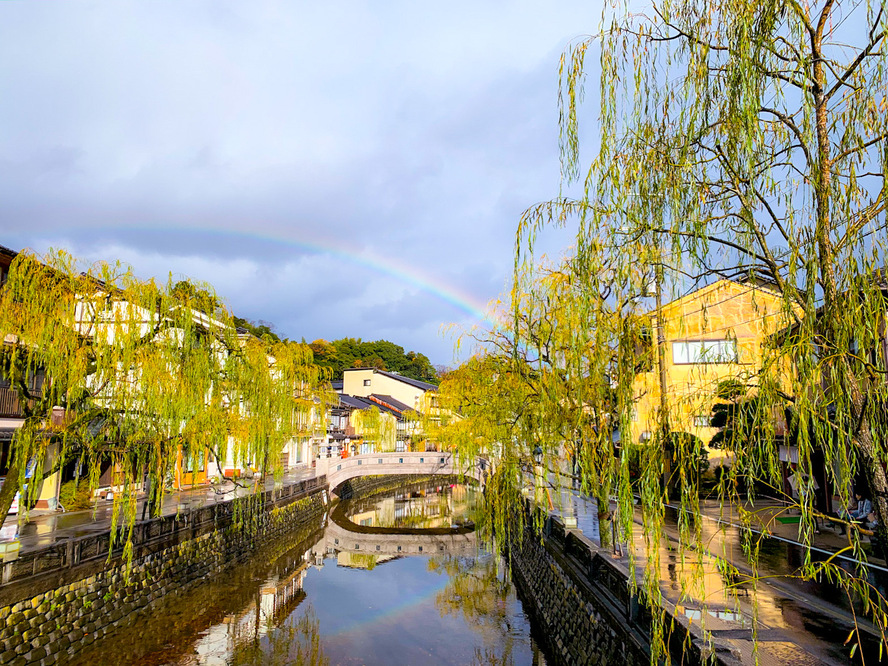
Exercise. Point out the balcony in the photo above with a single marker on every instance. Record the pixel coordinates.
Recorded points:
(9, 404)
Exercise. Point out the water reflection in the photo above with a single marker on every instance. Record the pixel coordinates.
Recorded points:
(422, 506)
(479, 591)
(396, 578)
(296, 643)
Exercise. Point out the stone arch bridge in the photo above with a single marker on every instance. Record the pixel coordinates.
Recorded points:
(428, 463)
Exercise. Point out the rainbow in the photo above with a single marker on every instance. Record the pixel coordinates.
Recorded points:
(390, 267)
(407, 603)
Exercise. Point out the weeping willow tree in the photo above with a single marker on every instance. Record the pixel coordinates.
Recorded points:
(537, 398)
(748, 139)
(138, 375)
(376, 427)
(278, 391)
(740, 140)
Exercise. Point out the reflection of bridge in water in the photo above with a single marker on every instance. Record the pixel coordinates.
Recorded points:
(342, 535)
(380, 534)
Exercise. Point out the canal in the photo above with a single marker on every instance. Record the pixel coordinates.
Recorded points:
(396, 577)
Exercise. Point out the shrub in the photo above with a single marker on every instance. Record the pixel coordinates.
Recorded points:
(75, 497)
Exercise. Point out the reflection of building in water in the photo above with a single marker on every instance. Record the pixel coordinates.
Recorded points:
(361, 560)
(437, 506)
(274, 601)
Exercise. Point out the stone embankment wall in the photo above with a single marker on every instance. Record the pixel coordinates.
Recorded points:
(53, 625)
(581, 600)
(363, 486)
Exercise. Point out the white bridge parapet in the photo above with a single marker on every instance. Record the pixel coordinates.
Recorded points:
(427, 463)
(338, 537)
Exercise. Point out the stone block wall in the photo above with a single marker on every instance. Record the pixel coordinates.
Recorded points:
(53, 626)
(363, 486)
(576, 627)
(586, 609)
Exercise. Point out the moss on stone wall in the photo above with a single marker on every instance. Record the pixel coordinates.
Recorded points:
(54, 626)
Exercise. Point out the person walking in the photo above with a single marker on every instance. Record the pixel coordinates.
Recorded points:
(148, 506)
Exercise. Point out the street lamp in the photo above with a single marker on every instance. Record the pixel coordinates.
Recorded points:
(538, 455)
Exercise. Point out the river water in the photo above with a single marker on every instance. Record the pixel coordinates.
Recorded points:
(397, 578)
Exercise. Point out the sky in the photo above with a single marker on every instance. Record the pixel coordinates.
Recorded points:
(340, 169)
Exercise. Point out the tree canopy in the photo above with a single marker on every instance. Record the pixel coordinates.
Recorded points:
(734, 139)
(380, 354)
(138, 374)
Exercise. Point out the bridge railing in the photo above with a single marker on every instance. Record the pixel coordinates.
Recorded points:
(421, 462)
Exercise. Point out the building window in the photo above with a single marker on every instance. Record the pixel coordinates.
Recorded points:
(379, 462)
(704, 351)
(702, 421)
(366, 382)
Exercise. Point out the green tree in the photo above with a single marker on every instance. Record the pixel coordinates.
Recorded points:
(541, 378)
(137, 374)
(260, 329)
(734, 139)
(744, 139)
(380, 354)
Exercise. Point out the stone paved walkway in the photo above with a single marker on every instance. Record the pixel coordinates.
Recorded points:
(798, 622)
(46, 527)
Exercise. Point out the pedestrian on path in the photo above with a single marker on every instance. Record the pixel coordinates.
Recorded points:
(859, 513)
(804, 486)
(148, 506)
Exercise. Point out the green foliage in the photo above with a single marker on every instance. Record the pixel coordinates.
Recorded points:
(736, 140)
(140, 374)
(261, 329)
(74, 496)
(381, 354)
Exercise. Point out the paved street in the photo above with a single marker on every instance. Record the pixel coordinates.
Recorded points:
(788, 612)
(45, 527)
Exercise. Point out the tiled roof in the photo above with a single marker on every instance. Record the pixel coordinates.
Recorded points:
(353, 401)
(425, 386)
(390, 401)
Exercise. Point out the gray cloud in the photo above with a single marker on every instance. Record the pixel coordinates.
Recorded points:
(226, 140)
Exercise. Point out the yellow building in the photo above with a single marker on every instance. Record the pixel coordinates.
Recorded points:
(711, 335)
(366, 382)
(404, 398)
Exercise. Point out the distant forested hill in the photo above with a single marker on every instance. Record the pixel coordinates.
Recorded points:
(380, 354)
(355, 353)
